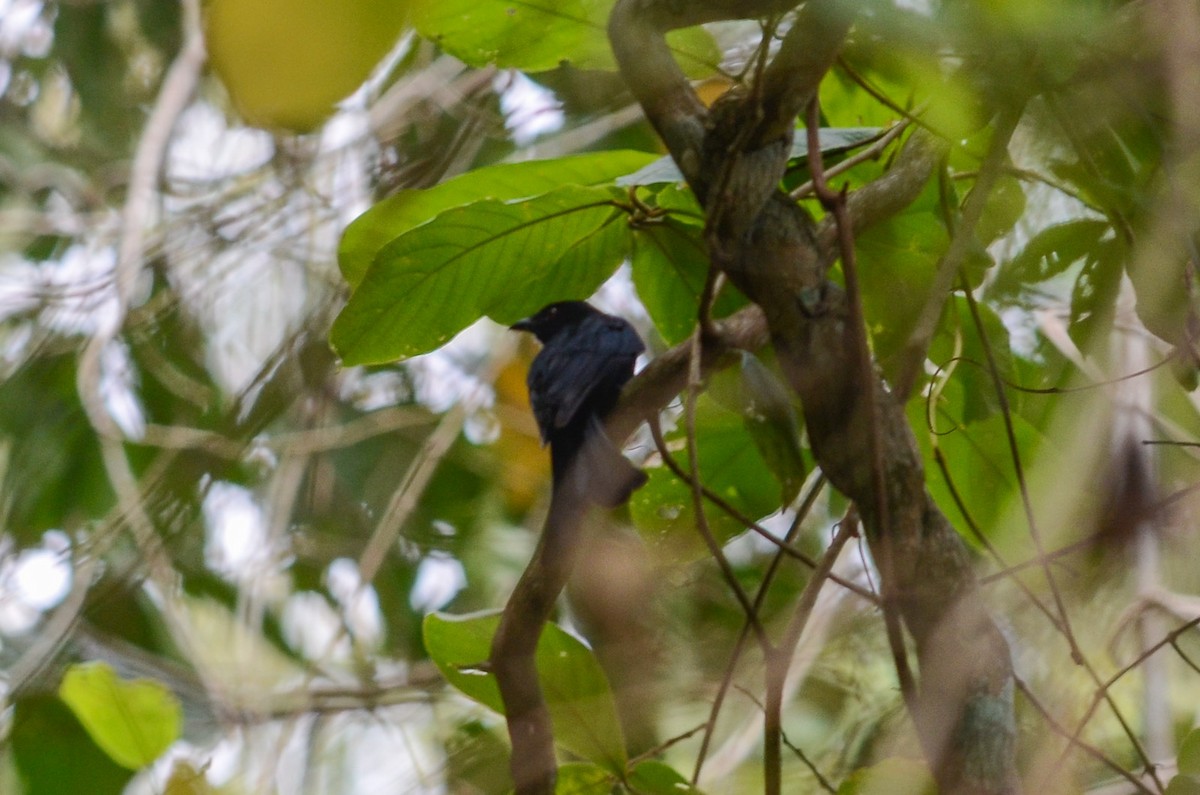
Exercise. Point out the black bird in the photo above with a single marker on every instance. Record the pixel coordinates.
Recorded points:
(574, 382)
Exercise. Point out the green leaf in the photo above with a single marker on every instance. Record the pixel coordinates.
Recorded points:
(653, 777)
(577, 692)
(897, 260)
(1047, 254)
(584, 778)
(770, 417)
(833, 140)
(979, 463)
(1004, 207)
(539, 35)
(133, 721)
(1189, 753)
(730, 465)
(1184, 784)
(43, 734)
(893, 776)
(1094, 297)
(487, 258)
(670, 266)
(395, 215)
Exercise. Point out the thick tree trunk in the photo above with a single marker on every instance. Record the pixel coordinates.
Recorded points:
(733, 157)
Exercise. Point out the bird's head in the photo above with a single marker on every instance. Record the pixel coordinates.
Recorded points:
(555, 318)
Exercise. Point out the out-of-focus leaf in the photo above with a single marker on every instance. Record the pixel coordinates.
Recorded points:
(897, 261)
(978, 459)
(1094, 297)
(286, 62)
(577, 692)
(771, 419)
(834, 140)
(960, 335)
(54, 471)
(134, 721)
(487, 258)
(187, 780)
(477, 760)
(584, 778)
(893, 776)
(730, 465)
(1004, 207)
(1189, 753)
(539, 35)
(97, 67)
(1049, 253)
(397, 214)
(1184, 784)
(54, 755)
(653, 777)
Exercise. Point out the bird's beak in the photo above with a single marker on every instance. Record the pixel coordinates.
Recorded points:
(522, 325)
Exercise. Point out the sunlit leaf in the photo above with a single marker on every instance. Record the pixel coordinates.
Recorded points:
(584, 778)
(730, 466)
(134, 721)
(487, 258)
(539, 35)
(576, 690)
(400, 213)
(669, 269)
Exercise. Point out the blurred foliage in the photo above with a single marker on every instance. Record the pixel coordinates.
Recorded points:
(272, 530)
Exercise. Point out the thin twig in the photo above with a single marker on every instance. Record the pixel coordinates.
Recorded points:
(714, 548)
(739, 645)
(872, 152)
(791, 550)
(781, 655)
(408, 494)
(857, 328)
(1074, 740)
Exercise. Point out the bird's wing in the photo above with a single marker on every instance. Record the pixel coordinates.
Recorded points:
(568, 370)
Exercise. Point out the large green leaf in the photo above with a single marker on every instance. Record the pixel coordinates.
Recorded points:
(487, 258)
(133, 721)
(576, 691)
(897, 260)
(539, 35)
(400, 213)
(979, 461)
(669, 269)
(730, 466)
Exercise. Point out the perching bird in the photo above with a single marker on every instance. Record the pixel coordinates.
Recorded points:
(574, 382)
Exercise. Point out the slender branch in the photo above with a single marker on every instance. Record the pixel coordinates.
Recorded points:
(780, 656)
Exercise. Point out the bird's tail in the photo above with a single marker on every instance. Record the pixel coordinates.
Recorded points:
(599, 472)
